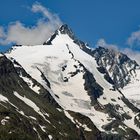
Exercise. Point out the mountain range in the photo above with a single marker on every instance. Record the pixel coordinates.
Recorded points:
(65, 90)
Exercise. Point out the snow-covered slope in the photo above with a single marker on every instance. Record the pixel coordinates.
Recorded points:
(72, 78)
(132, 89)
(29, 112)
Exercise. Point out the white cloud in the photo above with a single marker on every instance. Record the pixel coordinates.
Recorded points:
(53, 18)
(134, 55)
(102, 43)
(18, 33)
(2, 34)
(134, 38)
(133, 41)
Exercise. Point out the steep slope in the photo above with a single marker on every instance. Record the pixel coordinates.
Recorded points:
(28, 111)
(73, 79)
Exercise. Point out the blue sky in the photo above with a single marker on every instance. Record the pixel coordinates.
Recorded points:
(114, 21)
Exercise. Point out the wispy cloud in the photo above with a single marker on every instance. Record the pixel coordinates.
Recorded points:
(18, 33)
(134, 39)
(133, 42)
(134, 55)
(101, 42)
(52, 17)
(2, 34)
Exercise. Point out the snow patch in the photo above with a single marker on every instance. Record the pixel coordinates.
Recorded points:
(50, 137)
(35, 88)
(42, 128)
(3, 121)
(31, 104)
(3, 98)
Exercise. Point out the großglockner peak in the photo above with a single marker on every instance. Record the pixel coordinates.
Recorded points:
(61, 92)
(66, 30)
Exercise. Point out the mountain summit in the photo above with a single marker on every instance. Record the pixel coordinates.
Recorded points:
(65, 90)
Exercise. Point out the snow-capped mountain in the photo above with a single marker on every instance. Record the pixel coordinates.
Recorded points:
(65, 90)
